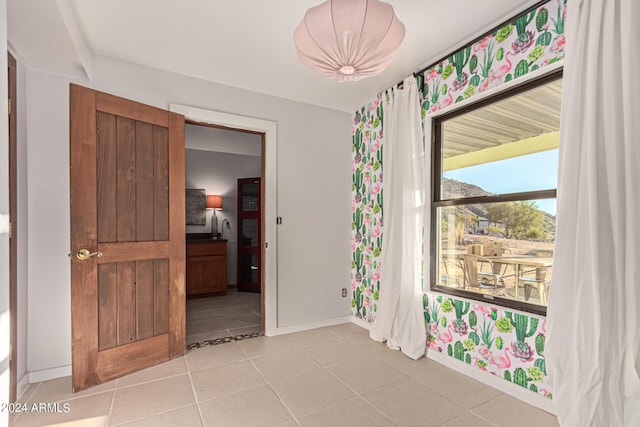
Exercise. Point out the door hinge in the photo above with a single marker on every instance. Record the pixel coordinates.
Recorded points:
(10, 352)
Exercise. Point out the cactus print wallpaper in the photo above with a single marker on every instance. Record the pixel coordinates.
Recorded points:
(500, 342)
(366, 210)
(529, 42)
(492, 339)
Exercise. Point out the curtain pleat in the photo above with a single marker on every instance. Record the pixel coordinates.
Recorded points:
(400, 319)
(594, 303)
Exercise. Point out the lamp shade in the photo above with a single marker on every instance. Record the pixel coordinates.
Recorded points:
(214, 202)
(347, 40)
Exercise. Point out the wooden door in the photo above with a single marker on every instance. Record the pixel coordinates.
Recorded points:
(249, 235)
(127, 208)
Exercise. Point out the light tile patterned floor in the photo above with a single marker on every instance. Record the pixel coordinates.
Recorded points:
(333, 376)
(237, 313)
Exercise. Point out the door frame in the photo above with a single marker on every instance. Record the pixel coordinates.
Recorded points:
(268, 129)
(13, 230)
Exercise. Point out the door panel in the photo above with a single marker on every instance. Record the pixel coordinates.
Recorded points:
(127, 202)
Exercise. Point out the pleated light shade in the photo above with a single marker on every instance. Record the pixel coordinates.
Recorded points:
(347, 40)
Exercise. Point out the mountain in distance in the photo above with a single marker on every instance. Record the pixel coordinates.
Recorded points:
(454, 188)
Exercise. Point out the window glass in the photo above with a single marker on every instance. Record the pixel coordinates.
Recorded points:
(495, 211)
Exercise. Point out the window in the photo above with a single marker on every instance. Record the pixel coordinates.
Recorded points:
(494, 211)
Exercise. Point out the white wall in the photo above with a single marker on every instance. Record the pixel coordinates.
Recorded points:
(218, 173)
(313, 175)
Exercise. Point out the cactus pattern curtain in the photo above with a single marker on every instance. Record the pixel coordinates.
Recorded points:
(593, 347)
(400, 318)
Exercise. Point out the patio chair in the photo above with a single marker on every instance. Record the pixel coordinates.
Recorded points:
(539, 281)
(476, 273)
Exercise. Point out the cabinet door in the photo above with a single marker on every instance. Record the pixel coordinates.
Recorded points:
(249, 234)
(206, 274)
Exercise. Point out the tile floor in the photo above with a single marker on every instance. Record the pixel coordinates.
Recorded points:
(223, 316)
(334, 376)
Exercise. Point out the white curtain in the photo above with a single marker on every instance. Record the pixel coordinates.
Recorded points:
(593, 343)
(400, 318)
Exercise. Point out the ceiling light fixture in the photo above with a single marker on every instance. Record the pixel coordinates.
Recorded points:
(347, 40)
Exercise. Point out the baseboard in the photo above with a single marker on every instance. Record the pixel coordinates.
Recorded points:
(49, 374)
(498, 383)
(313, 325)
(362, 323)
(21, 387)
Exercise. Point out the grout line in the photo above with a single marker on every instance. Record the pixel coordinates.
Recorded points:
(193, 389)
(149, 416)
(113, 399)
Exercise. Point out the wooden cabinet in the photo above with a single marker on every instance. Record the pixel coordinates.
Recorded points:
(206, 267)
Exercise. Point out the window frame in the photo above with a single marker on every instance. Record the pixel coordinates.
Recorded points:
(438, 202)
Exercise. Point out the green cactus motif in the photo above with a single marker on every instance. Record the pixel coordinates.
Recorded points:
(541, 364)
(520, 377)
(473, 319)
(520, 323)
(521, 69)
(474, 81)
(425, 301)
(358, 300)
(470, 91)
(460, 59)
(444, 89)
(443, 322)
(540, 341)
(507, 375)
(508, 78)
(473, 336)
(487, 61)
(461, 308)
(435, 312)
(357, 180)
(541, 19)
(450, 350)
(473, 63)
(499, 343)
(447, 306)
(467, 359)
(458, 350)
(536, 53)
(357, 141)
(544, 39)
(535, 374)
(435, 92)
(523, 21)
(504, 325)
(459, 98)
(533, 388)
(500, 54)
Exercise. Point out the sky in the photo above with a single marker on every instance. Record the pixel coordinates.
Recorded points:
(537, 171)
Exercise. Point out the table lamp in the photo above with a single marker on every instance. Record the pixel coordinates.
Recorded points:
(214, 202)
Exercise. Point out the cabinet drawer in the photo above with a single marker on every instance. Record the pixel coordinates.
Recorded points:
(206, 248)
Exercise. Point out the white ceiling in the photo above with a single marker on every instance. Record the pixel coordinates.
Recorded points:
(242, 43)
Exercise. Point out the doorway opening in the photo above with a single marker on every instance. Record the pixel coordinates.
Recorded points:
(268, 194)
(223, 169)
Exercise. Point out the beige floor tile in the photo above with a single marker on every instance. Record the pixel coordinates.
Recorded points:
(508, 411)
(187, 416)
(355, 412)
(152, 398)
(245, 330)
(85, 411)
(308, 393)
(290, 423)
(61, 390)
(219, 381)
(332, 353)
(467, 420)
(276, 367)
(409, 403)
(348, 330)
(258, 407)
(263, 346)
(164, 370)
(407, 365)
(312, 337)
(228, 310)
(215, 355)
(28, 391)
(367, 375)
(368, 346)
(457, 387)
(200, 326)
(241, 321)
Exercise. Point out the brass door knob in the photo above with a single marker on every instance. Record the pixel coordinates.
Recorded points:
(83, 254)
